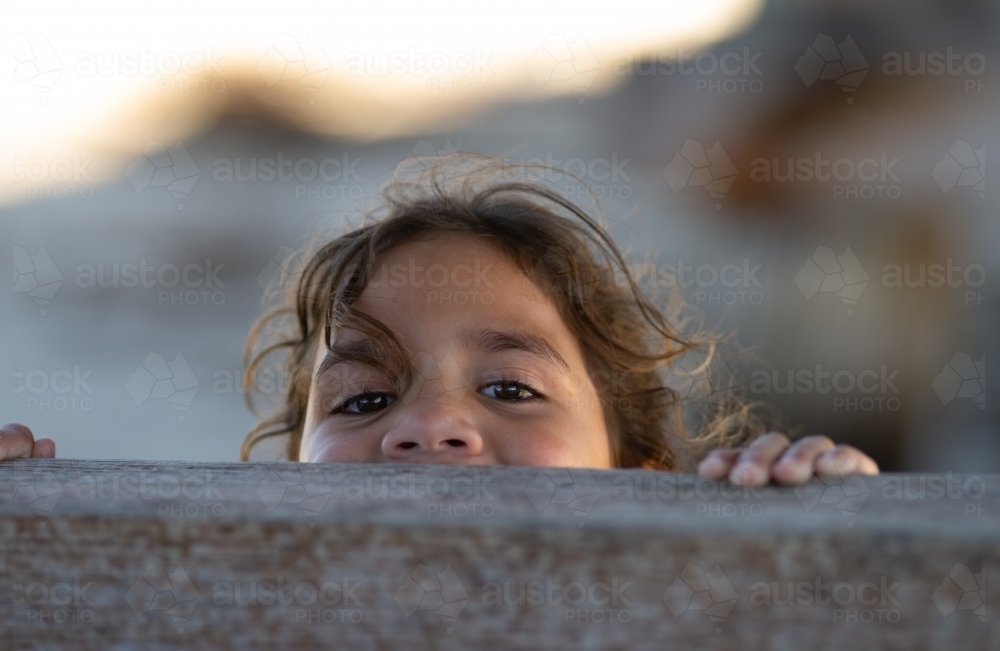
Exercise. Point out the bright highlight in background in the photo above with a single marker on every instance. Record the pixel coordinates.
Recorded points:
(83, 78)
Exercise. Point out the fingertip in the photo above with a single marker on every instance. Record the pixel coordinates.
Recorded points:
(712, 468)
(717, 464)
(836, 462)
(44, 449)
(16, 428)
(796, 465)
(748, 474)
(790, 472)
(15, 441)
(868, 466)
(775, 437)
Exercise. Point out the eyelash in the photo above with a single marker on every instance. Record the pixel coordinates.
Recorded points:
(535, 393)
(341, 408)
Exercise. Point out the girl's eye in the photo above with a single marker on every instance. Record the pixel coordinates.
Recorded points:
(510, 390)
(368, 402)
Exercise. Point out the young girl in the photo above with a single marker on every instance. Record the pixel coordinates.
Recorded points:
(482, 318)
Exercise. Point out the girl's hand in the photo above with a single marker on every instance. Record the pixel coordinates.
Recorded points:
(17, 442)
(773, 457)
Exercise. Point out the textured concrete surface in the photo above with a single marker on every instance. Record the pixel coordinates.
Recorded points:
(125, 554)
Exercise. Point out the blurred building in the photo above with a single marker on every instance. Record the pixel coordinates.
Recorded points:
(815, 184)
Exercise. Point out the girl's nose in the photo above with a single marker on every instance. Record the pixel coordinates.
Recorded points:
(433, 432)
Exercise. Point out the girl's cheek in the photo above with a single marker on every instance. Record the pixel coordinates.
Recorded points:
(548, 452)
(330, 448)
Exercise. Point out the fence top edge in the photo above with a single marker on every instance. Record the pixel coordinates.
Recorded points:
(942, 506)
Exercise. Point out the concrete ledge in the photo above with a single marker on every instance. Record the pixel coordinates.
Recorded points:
(122, 554)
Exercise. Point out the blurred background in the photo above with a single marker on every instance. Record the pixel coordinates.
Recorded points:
(812, 175)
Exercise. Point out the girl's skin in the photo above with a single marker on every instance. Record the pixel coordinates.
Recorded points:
(498, 380)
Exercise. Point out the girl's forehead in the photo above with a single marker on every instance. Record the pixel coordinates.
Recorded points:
(437, 288)
(445, 246)
(456, 265)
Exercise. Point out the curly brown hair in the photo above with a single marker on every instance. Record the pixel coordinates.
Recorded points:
(632, 344)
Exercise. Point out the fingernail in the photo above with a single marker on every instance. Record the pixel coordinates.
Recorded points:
(746, 474)
(710, 464)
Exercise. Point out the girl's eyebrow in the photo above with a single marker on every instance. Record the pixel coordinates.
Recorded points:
(364, 352)
(484, 340)
(495, 341)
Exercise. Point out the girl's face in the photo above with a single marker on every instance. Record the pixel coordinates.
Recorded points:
(498, 378)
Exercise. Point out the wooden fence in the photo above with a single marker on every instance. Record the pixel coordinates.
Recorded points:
(125, 554)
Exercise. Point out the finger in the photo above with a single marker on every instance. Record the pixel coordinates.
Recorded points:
(718, 463)
(797, 462)
(15, 441)
(753, 467)
(44, 449)
(845, 460)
